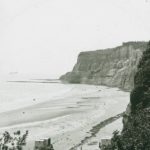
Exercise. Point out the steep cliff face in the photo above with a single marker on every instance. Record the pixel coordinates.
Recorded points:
(136, 131)
(114, 67)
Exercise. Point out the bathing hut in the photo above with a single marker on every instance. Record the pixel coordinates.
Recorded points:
(43, 144)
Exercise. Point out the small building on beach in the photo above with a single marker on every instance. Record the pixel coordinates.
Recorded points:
(104, 143)
(43, 144)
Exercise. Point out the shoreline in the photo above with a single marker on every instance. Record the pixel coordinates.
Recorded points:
(95, 129)
(69, 118)
(86, 83)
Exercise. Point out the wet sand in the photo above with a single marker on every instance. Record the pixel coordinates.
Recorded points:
(67, 119)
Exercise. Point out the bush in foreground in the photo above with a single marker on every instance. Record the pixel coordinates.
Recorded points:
(16, 141)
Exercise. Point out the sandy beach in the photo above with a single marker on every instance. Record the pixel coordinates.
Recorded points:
(67, 118)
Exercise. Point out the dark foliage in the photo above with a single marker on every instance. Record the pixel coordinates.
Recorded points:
(16, 141)
(136, 132)
(141, 92)
(136, 135)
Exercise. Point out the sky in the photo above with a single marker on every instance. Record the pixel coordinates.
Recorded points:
(46, 36)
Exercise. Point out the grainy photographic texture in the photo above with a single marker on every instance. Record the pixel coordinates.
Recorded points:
(74, 74)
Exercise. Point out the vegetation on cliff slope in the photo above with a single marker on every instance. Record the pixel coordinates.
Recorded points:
(141, 92)
(136, 132)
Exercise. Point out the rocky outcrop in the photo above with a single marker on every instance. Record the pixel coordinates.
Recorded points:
(113, 67)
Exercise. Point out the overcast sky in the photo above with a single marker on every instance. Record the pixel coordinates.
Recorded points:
(45, 36)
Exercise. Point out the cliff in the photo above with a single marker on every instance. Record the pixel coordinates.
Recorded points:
(136, 131)
(113, 67)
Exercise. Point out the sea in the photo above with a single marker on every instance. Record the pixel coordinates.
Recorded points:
(51, 108)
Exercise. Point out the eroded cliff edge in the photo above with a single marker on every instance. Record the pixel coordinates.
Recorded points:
(136, 130)
(113, 67)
